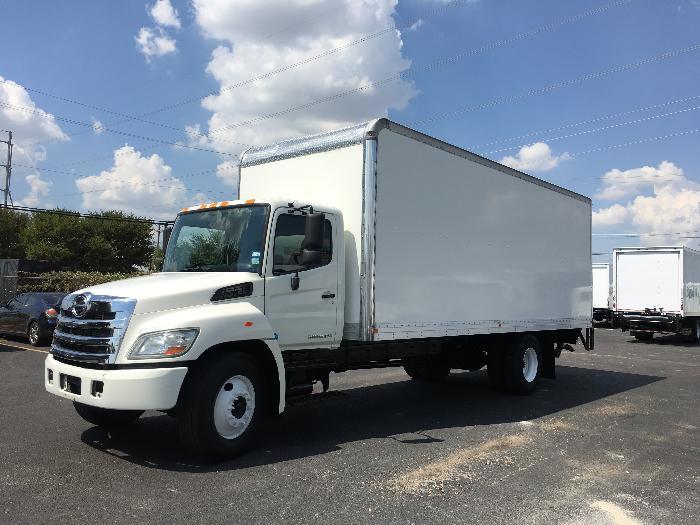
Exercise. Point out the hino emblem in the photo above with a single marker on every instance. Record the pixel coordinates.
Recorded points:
(80, 306)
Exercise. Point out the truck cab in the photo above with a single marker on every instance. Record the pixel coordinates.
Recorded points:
(258, 277)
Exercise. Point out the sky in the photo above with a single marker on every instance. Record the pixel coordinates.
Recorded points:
(145, 106)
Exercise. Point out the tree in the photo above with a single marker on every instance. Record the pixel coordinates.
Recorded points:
(101, 243)
(56, 238)
(117, 246)
(12, 223)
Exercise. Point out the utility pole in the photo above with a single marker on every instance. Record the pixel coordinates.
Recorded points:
(8, 169)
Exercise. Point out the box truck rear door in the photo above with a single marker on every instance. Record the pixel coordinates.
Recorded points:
(648, 279)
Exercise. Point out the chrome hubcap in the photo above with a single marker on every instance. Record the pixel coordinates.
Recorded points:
(529, 364)
(234, 407)
(34, 333)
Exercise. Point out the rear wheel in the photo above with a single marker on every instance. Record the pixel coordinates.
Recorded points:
(427, 369)
(36, 338)
(522, 365)
(105, 417)
(221, 407)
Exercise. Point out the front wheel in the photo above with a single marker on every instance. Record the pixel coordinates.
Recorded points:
(221, 407)
(105, 417)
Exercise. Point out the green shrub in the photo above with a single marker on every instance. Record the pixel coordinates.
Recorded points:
(66, 282)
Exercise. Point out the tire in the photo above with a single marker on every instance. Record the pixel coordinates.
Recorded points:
(522, 365)
(105, 417)
(220, 407)
(644, 336)
(36, 338)
(432, 370)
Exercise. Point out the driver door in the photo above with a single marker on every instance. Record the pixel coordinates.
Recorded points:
(305, 317)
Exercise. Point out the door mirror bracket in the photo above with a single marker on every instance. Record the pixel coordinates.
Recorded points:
(295, 281)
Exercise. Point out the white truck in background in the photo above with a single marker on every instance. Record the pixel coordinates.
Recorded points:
(602, 311)
(657, 290)
(367, 247)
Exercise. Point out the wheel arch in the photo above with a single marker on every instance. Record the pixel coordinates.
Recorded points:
(265, 354)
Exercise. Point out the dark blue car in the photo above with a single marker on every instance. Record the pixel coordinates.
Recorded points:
(32, 315)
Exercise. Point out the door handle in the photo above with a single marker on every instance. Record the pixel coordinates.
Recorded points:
(327, 295)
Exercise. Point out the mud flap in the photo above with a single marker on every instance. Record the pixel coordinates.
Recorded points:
(587, 339)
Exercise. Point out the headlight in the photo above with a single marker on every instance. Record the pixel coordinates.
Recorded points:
(168, 343)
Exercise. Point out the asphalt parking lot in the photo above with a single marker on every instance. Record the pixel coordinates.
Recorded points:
(613, 440)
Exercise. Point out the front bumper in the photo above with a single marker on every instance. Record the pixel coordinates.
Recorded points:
(124, 389)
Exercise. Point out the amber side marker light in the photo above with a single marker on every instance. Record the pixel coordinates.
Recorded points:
(175, 350)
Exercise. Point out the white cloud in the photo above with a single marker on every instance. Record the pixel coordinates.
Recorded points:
(30, 125)
(247, 48)
(228, 173)
(672, 207)
(154, 43)
(97, 126)
(535, 157)
(669, 210)
(38, 191)
(164, 14)
(618, 184)
(416, 25)
(611, 216)
(125, 186)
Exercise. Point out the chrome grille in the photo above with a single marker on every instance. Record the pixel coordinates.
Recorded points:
(95, 335)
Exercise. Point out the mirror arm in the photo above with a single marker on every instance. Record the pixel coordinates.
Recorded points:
(295, 280)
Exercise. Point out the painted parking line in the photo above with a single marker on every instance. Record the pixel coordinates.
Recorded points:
(5, 343)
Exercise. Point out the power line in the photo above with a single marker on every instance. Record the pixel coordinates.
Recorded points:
(495, 102)
(561, 84)
(635, 142)
(428, 67)
(77, 176)
(86, 215)
(589, 121)
(405, 74)
(49, 116)
(596, 130)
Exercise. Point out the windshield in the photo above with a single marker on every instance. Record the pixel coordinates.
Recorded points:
(218, 240)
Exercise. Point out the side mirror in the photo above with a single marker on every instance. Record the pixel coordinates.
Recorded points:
(313, 240)
(313, 232)
(311, 257)
(166, 236)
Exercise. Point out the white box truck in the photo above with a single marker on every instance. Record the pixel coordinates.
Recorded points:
(602, 312)
(371, 246)
(657, 290)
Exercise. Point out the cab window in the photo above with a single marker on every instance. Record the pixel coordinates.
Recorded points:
(289, 243)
